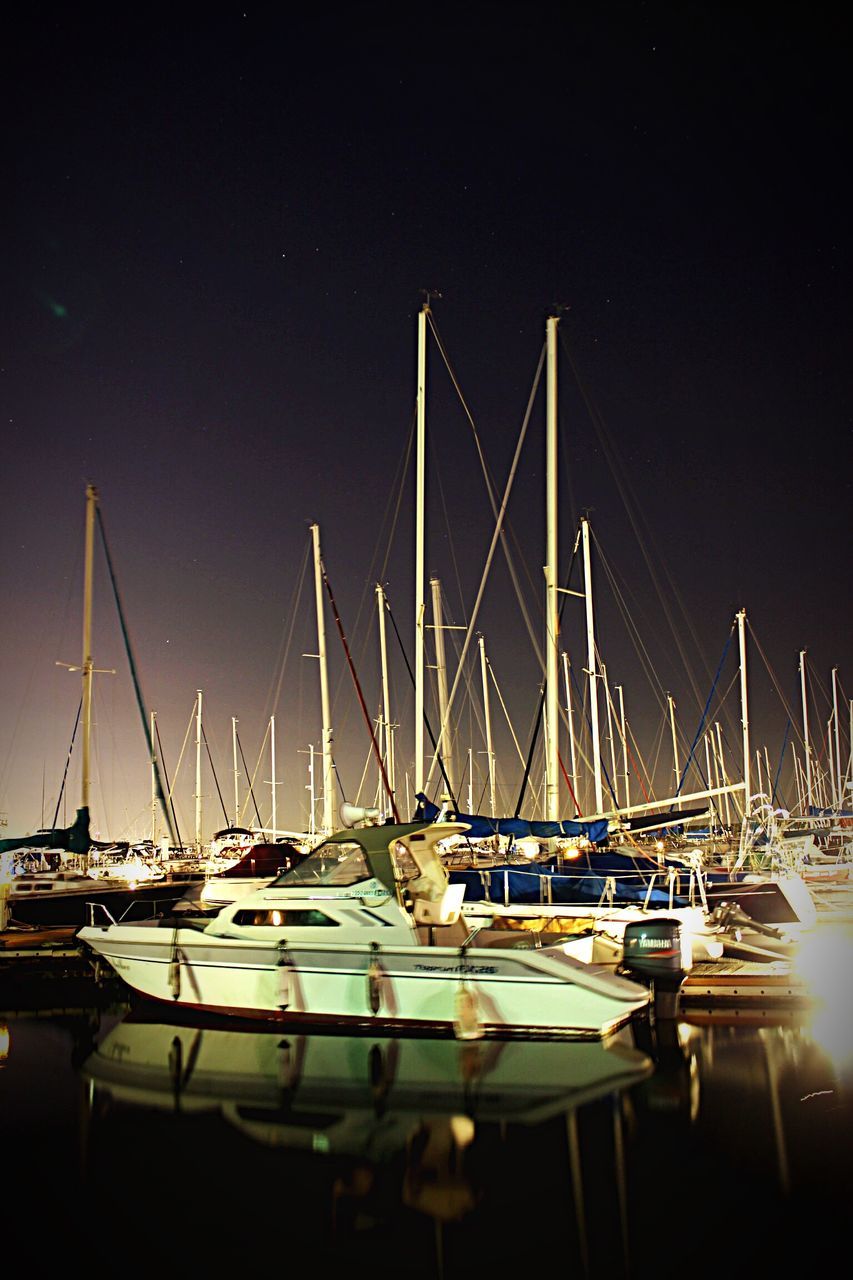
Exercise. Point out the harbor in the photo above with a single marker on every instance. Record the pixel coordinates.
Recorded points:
(426, 729)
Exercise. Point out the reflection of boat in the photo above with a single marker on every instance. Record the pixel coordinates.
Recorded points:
(367, 930)
(357, 1093)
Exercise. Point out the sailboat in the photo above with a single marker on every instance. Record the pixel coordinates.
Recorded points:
(62, 894)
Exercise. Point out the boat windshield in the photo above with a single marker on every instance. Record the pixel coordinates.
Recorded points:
(331, 863)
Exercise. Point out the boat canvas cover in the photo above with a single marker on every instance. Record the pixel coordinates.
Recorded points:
(264, 860)
(582, 881)
(482, 827)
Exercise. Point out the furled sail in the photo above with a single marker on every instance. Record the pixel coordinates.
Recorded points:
(481, 827)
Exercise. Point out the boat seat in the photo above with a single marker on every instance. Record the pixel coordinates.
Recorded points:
(444, 935)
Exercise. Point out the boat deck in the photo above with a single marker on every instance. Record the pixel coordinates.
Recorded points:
(744, 982)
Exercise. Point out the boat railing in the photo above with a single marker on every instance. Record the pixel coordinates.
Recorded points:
(92, 908)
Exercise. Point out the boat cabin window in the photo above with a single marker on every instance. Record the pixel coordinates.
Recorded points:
(331, 863)
(279, 916)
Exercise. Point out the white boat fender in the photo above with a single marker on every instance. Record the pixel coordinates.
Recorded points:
(284, 971)
(466, 1022)
(375, 974)
(175, 971)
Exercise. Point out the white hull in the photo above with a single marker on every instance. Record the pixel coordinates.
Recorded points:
(485, 991)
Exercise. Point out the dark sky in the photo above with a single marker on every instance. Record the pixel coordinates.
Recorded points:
(217, 231)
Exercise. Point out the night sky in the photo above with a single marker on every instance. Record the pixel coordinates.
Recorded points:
(217, 231)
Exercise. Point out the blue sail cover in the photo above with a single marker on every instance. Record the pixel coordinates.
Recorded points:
(582, 881)
(482, 828)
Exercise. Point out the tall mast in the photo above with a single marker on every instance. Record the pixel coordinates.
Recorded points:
(153, 718)
(806, 748)
(590, 653)
(91, 502)
(386, 697)
(744, 713)
(329, 805)
(420, 482)
(236, 771)
(552, 798)
(198, 773)
(273, 783)
(445, 736)
(490, 755)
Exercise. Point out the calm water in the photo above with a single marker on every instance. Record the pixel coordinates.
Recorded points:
(724, 1152)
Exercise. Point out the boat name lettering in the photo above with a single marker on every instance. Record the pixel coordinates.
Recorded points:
(456, 968)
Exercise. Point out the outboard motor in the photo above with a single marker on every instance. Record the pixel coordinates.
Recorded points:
(652, 952)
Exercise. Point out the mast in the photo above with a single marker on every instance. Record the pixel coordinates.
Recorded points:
(488, 717)
(386, 702)
(741, 635)
(708, 774)
(806, 748)
(420, 484)
(153, 782)
(590, 651)
(570, 717)
(198, 773)
(329, 806)
(671, 704)
(445, 736)
(608, 702)
(273, 783)
(624, 747)
(552, 799)
(236, 771)
(91, 502)
(839, 799)
(722, 767)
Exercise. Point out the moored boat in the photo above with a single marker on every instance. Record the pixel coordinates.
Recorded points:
(366, 931)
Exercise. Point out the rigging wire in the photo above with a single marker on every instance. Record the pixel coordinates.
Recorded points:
(179, 843)
(213, 771)
(250, 781)
(377, 752)
(67, 762)
(133, 671)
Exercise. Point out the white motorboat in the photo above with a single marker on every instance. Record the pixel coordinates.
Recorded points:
(368, 930)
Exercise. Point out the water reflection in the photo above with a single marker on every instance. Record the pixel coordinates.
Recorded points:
(716, 1145)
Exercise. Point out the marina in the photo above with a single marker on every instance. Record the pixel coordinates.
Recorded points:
(426, 741)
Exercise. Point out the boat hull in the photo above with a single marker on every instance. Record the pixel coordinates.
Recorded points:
(410, 990)
(72, 907)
